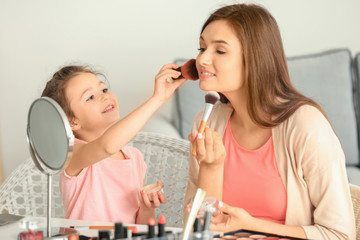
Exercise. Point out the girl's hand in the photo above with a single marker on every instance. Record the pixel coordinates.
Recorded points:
(163, 87)
(156, 199)
(210, 148)
(228, 218)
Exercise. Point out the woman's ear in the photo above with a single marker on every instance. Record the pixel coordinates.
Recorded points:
(74, 124)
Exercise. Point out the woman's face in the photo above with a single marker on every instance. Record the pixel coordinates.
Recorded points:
(220, 62)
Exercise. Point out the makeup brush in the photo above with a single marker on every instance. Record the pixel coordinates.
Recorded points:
(188, 71)
(210, 99)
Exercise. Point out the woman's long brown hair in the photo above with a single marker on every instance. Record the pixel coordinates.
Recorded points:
(272, 98)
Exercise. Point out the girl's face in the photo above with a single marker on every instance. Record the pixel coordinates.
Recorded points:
(94, 106)
(220, 62)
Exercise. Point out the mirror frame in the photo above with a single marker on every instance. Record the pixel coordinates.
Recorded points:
(39, 162)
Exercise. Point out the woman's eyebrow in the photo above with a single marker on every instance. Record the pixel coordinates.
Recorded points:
(217, 41)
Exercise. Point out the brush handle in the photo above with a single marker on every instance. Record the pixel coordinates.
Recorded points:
(201, 130)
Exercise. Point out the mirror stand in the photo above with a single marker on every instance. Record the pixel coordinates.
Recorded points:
(50, 141)
(49, 204)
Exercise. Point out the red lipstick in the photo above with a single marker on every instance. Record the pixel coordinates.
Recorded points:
(151, 228)
(161, 226)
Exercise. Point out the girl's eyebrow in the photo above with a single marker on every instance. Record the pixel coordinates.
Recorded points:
(217, 41)
(88, 89)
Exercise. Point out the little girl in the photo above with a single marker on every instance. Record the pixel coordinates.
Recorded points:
(104, 177)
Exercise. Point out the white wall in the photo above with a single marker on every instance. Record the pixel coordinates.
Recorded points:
(130, 41)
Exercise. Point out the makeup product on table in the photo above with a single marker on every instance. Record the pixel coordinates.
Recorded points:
(104, 235)
(32, 232)
(197, 230)
(161, 226)
(252, 235)
(151, 228)
(188, 70)
(118, 233)
(208, 205)
(198, 199)
(197, 225)
(138, 235)
(207, 219)
(93, 227)
(210, 99)
(129, 231)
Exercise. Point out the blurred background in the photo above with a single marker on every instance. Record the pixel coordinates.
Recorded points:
(130, 40)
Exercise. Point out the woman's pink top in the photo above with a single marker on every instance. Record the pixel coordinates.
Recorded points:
(106, 190)
(252, 180)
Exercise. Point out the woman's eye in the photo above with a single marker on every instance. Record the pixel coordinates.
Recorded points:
(90, 98)
(105, 90)
(201, 49)
(220, 52)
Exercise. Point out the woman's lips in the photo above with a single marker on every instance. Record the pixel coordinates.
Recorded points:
(206, 74)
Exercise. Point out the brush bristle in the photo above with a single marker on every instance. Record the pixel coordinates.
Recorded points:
(212, 97)
(189, 71)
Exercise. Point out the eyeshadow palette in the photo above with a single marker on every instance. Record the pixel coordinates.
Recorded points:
(252, 235)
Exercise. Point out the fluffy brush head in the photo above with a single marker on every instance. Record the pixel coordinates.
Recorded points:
(212, 97)
(188, 70)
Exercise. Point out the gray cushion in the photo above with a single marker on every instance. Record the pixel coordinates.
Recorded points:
(357, 85)
(353, 174)
(327, 78)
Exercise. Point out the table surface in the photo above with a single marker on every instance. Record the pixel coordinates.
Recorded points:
(11, 231)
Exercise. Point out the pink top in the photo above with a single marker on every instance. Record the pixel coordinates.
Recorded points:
(106, 190)
(252, 180)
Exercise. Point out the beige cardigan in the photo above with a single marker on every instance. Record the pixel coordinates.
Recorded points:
(311, 163)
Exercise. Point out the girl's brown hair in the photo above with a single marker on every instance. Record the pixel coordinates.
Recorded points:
(272, 97)
(55, 87)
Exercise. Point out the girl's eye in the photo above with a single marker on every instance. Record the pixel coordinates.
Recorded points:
(90, 98)
(201, 49)
(105, 90)
(220, 52)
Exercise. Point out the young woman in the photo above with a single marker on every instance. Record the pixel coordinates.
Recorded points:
(269, 152)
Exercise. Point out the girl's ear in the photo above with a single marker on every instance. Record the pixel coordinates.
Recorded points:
(74, 124)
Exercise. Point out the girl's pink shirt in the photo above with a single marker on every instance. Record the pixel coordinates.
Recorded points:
(106, 190)
(252, 180)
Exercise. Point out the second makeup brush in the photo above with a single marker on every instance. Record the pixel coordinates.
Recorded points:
(210, 99)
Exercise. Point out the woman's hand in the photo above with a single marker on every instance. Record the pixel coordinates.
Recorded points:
(228, 218)
(164, 85)
(210, 148)
(154, 201)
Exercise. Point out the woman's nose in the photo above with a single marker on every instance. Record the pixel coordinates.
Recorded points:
(204, 59)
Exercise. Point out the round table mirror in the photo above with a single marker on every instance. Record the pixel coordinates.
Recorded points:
(50, 141)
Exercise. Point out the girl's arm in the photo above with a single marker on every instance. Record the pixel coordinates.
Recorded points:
(119, 134)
